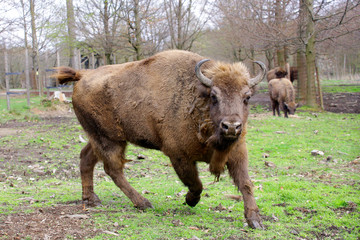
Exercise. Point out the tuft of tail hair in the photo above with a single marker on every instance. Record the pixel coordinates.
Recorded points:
(66, 74)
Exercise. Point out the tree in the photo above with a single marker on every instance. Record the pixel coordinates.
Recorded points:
(71, 33)
(134, 28)
(301, 58)
(145, 27)
(184, 25)
(101, 25)
(312, 26)
(35, 48)
(310, 54)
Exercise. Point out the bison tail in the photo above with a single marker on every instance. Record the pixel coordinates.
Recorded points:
(67, 74)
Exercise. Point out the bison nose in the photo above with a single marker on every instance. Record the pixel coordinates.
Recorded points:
(231, 128)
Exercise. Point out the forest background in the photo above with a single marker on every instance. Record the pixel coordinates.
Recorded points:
(307, 34)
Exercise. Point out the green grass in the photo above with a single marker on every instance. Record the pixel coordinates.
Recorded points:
(301, 197)
(339, 86)
(19, 110)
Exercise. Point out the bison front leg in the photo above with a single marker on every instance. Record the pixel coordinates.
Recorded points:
(189, 175)
(88, 161)
(238, 169)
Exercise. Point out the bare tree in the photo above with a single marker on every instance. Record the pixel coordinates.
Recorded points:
(338, 23)
(301, 57)
(185, 26)
(35, 48)
(6, 22)
(145, 27)
(133, 19)
(101, 25)
(71, 32)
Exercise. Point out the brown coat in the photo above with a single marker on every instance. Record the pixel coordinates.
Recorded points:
(162, 103)
(282, 96)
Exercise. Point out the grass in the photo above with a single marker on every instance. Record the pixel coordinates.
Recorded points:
(340, 86)
(19, 110)
(301, 196)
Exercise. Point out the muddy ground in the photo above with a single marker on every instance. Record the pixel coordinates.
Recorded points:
(71, 219)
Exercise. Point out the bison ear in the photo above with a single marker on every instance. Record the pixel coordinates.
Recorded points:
(203, 90)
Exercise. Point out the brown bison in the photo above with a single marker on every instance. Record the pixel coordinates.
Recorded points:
(277, 72)
(280, 72)
(166, 102)
(282, 96)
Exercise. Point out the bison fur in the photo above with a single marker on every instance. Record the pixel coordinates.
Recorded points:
(191, 109)
(282, 96)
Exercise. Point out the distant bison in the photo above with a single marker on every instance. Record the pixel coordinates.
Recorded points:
(279, 72)
(282, 96)
(166, 102)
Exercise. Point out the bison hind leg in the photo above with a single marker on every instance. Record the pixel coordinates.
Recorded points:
(88, 161)
(114, 162)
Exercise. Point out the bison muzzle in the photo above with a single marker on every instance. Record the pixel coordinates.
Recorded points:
(190, 108)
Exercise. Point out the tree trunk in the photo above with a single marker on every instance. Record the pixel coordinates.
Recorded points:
(302, 78)
(269, 56)
(301, 58)
(71, 33)
(179, 42)
(138, 40)
(35, 48)
(279, 13)
(310, 56)
(108, 50)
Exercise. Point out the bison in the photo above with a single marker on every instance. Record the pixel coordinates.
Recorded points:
(277, 72)
(192, 109)
(280, 72)
(282, 96)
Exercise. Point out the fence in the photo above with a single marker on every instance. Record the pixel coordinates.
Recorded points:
(36, 80)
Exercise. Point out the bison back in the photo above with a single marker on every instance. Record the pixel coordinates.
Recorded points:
(144, 102)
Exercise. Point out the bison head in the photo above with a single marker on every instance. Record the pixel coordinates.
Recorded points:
(291, 107)
(280, 72)
(229, 88)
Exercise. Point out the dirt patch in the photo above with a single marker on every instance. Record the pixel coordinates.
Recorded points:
(58, 222)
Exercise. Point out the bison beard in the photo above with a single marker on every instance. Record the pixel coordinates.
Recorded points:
(164, 102)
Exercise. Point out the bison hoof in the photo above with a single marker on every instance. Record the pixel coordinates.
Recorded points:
(144, 205)
(192, 200)
(255, 221)
(92, 201)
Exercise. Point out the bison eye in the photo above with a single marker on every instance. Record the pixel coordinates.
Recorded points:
(214, 99)
(246, 100)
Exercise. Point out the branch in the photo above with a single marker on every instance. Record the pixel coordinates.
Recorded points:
(342, 17)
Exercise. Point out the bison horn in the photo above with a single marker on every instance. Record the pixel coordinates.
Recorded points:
(204, 80)
(254, 81)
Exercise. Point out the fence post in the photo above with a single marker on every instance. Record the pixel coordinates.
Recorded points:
(7, 79)
(27, 76)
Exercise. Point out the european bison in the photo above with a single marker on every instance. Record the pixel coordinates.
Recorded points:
(282, 96)
(166, 102)
(277, 72)
(280, 72)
